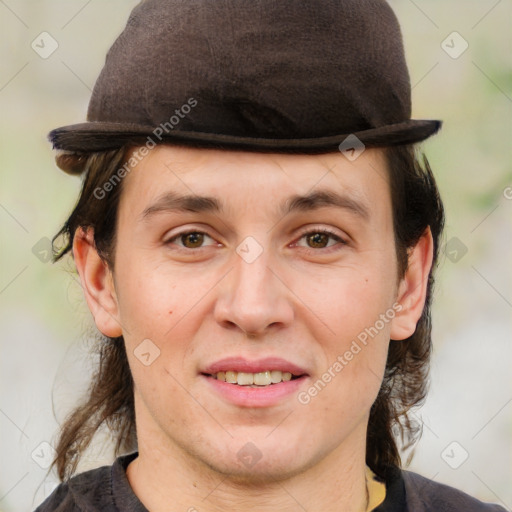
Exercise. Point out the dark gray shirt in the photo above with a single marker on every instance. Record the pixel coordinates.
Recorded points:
(107, 489)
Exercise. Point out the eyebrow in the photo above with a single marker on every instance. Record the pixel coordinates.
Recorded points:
(174, 202)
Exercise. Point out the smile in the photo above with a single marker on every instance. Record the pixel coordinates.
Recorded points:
(265, 382)
(265, 378)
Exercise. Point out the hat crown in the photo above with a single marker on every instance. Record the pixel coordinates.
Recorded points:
(267, 69)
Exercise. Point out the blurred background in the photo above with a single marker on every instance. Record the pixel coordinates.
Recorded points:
(459, 55)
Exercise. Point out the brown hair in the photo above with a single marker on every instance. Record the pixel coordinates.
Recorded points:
(109, 401)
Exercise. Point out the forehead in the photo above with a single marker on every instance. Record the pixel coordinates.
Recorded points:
(222, 182)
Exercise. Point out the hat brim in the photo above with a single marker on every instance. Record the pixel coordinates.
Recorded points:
(102, 136)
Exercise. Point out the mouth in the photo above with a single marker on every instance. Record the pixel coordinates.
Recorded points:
(262, 383)
(254, 380)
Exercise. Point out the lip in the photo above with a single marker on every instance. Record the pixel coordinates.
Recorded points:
(240, 364)
(254, 397)
(245, 396)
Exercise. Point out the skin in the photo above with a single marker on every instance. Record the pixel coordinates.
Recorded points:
(199, 305)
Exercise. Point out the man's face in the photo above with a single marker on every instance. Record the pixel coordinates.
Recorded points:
(255, 267)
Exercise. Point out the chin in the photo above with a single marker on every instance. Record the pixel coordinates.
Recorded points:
(262, 473)
(259, 462)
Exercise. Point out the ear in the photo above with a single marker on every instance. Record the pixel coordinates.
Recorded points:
(97, 283)
(412, 289)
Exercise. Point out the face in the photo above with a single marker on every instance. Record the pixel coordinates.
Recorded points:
(289, 267)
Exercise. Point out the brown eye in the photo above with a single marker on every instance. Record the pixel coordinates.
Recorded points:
(195, 239)
(190, 240)
(318, 240)
(321, 241)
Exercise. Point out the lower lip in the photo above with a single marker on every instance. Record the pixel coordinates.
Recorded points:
(245, 396)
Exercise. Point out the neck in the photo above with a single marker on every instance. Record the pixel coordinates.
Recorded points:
(160, 477)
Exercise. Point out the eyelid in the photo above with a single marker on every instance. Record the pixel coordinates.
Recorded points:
(322, 229)
(188, 232)
(342, 240)
(305, 231)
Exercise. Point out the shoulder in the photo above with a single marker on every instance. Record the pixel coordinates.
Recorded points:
(91, 490)
(425, 495)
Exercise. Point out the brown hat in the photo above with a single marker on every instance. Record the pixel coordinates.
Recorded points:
(260, 75)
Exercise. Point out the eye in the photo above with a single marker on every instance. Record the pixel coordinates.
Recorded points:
(318, 239)
(189, 239)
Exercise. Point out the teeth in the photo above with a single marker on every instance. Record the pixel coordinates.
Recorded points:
(254, 379)
(276, 376)
(262, 378)
(245, 379)
(231, 377)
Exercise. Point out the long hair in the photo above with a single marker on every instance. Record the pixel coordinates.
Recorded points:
(109, 401)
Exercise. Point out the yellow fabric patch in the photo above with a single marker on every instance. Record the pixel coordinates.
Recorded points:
(376, 490)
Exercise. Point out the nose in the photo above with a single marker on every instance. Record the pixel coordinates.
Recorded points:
(254, 298)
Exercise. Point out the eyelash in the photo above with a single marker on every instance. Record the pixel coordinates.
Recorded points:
(309, 250)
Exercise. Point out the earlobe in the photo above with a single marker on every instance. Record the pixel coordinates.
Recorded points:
(412, 290)
(97, 284)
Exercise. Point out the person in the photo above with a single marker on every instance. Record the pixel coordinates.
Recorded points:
(256, 237)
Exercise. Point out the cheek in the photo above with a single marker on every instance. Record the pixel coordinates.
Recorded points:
(165, 306)
(348, 300)
(353, 332)
(344, 391)
(150, 302)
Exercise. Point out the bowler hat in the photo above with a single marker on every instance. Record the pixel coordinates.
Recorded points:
(261, 75)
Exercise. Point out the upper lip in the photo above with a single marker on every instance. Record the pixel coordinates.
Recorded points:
(240, 364)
